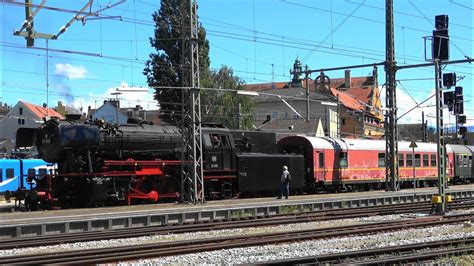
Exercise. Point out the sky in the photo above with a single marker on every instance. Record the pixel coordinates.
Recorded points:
(258, 39)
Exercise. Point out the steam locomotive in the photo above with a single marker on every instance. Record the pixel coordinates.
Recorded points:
(104, 164)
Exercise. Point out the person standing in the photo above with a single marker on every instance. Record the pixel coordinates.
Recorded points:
(285, 183)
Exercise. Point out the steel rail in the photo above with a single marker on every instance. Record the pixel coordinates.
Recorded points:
(153, 250)
(395, 254)
(23, 242)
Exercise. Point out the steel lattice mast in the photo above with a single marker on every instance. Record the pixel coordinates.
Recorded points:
(391, 136)
(192, 182)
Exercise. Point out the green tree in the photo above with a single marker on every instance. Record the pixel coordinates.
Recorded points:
(222, 106)
(163, 69)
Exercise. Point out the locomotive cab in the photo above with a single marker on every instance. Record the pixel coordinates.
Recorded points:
(218, 162)
(218, 147)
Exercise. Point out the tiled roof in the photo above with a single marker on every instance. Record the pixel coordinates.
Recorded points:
(356, 82)
(348, 100)
(42, 112)
(361, 87)
(356, 98)
(265, 86)
(299, 125)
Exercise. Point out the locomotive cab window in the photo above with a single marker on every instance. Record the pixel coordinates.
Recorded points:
(207, 140)
(381, 161)
(216, 140)
(401, 161)
(433, 160)
(470, 161)
(343, 159)
(417, 159)
(409, 160)
(321, 160)
(426, 160)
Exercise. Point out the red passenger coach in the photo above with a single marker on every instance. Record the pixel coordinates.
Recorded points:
(355, 164)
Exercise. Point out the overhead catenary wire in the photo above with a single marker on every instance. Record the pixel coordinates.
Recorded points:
(254, 71)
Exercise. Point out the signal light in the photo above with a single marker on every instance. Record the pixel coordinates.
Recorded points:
(441, 22)
(463, 131)
(449, 79)
(459, 108)
(448, 98)
(461, 119)
(458, 100)
(440, 45)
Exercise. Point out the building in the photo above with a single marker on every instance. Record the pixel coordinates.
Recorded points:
(4, 109)
(111, 112)
(70, 112)
(346, 107)
(285, 104)
(24, 115)
(361, 107)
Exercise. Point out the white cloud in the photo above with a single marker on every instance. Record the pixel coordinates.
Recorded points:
(129, 96)
(70, 71)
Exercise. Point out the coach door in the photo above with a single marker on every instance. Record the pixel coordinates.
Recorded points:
(319, 166)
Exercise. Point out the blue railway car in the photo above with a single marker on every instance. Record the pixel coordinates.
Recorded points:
(14, 172)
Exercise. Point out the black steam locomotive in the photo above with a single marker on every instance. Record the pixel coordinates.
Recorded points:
(103, 164)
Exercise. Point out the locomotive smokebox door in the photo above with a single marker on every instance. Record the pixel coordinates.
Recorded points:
(261, 173)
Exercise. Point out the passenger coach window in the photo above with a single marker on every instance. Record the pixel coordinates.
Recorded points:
(321, 160)
(409, 160)
(343, 159)
(417, 159)
(10, 173)
(426, 160)
(433, 159)
(381, 160)
(401, 162)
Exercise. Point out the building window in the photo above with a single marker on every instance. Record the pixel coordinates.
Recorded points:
(274, 115)
(381, 160)
(425, 160)
(417, 159)
(343, 121)
(401, 161)
(21, 110)
(433, 160)
(343, 159)
(409, 160)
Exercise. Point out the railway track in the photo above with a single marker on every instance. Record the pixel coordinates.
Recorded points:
(23, 242)
(420, 252)
(127, 253)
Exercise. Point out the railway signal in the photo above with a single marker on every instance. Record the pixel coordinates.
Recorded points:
(463, 131)
(440, 44)
(449, 79)
(458, 101)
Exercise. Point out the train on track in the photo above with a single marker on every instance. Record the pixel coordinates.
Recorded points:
(104, 164)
